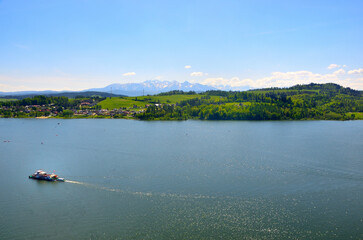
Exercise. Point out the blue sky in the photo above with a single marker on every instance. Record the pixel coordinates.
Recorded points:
(244, 44)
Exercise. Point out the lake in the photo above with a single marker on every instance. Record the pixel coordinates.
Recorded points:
(131, 179)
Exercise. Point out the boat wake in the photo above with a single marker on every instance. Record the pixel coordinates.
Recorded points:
(75, 182)
(144, 194)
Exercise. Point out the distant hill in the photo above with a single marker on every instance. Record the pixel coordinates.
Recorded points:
(328, 87)
(152, 87)
(149, 87)
(29, 94)
(331, 88)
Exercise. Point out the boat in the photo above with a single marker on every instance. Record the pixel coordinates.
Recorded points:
(42, 175)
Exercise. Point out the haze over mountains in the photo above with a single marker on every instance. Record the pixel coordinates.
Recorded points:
(128, 89)
(152, 87)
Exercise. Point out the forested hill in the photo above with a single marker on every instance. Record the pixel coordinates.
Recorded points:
(331, 88)
(301, 102)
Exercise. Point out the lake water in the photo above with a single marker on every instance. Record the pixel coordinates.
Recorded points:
(181, 179)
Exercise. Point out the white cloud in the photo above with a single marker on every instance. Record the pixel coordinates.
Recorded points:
(340, 71)
(287, 79)
(345, 66)
(196, 74)
(234, 82)
(356, 71)
(129, 74)
(187, 66)
(332, 66)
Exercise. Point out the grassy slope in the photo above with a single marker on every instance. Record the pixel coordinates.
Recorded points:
(358, 115)
(127, 102)
(116, 102)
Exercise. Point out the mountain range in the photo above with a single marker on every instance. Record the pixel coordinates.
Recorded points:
(129, 89)
(152, 87)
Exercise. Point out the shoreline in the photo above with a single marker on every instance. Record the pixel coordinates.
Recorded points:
(167, 120)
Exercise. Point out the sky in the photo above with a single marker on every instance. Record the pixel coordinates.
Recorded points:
(81, 44)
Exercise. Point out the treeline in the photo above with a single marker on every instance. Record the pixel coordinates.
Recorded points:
(316, 101)
(38, 106)
(65, 102)
(176, 92)
(87, 94)
(39, 100)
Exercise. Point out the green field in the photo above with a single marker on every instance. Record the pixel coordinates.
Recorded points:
(116, 102)
(358, 115)
(237, 104)
(7, 100)
(141, 101)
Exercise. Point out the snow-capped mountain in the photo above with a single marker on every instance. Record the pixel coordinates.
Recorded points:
(151, 87)
(129, 89)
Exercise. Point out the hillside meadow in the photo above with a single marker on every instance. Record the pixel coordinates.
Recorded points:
(142, 101)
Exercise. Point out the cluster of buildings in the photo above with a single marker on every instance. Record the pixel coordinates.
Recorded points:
(42, 110)
(106, 112)
(85, 108)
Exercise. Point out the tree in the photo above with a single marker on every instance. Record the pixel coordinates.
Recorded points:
(67, 113)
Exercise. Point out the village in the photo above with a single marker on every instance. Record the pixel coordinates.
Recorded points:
(86, 108)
